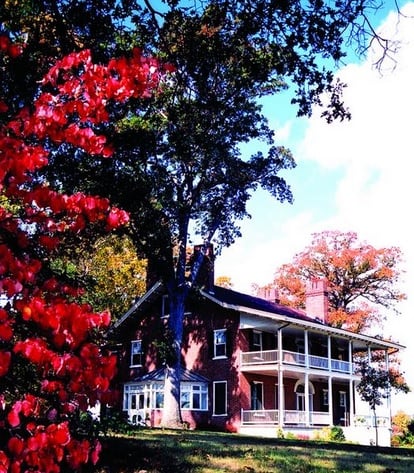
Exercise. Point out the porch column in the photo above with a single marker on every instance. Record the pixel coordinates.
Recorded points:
(387, 367)
(350, 358)
(306, 339)
(330, 400)
(281, 391)
(307, 404)
(351, 403)
(329, 353)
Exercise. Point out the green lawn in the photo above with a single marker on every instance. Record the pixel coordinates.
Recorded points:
(154, 451)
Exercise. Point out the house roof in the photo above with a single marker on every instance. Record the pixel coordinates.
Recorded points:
(159, 375)
(234, 299)
(265, 310)
(255, 306)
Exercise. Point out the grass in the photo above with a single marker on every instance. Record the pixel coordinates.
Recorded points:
(156, 451)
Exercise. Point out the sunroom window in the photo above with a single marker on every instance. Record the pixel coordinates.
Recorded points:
(194, 396)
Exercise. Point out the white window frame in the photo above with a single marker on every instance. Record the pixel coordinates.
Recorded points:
(254, 401)
(189, 393)
(215, 383)
(133, 352)
(257, 346)
(342, 399)
(325, 397)
(165, 306)
(217, 354)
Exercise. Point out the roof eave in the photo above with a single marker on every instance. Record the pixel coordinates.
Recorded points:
(155, 289)
(304, 323)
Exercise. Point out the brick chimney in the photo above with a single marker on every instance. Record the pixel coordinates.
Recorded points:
(317, 299)
(270, 294)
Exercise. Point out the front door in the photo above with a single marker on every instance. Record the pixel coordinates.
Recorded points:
(136, 409)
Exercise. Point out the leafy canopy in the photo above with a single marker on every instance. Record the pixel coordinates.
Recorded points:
(177, 164)
(361, 279)
(51, 364)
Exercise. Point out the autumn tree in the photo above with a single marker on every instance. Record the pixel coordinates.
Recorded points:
(401, 422)
(224, 281)
(178, 165)
(51, 364)
(361, 279)
(376, 384)
(112, 273)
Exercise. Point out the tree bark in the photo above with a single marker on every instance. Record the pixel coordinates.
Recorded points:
(171, 417)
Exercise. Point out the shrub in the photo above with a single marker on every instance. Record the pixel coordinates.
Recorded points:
(336, 434)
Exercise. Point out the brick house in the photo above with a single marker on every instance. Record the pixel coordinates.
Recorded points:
(250, 365)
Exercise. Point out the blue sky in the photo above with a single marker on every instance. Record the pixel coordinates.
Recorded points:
(350, 176)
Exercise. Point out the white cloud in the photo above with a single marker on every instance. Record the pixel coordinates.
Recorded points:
(372, 154)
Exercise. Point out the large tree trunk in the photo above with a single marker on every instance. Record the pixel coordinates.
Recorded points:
(171, 417)
(178, 291)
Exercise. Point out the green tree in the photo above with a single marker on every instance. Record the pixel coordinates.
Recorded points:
(110, 270)
(178, 164)
(376, 384)
(361, 279)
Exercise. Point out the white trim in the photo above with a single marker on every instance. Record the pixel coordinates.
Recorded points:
(376, 342)
(215, 345)
(214, 398)
(141, 353)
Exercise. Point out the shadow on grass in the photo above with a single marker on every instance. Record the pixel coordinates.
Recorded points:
(156, 451)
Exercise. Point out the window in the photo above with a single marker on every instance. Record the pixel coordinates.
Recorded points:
(257, 341)
(220, 398)
(136, 353)
(342, 398)
(220, 339)
(256, 395)
(194, 396)
(158, 393)
(165, 308)
(325, 397)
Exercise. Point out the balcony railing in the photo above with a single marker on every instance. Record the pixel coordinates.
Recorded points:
(267, 357)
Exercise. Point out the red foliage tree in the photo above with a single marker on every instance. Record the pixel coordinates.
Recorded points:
(361, 279)
(43, 330)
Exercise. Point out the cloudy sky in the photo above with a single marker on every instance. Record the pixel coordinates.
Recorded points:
(350, 176)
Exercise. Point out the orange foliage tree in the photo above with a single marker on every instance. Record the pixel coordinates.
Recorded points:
(361, 279)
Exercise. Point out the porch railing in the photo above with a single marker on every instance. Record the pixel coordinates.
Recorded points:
(295, 358)
(260, 417)
(271, 416)
(369, 421)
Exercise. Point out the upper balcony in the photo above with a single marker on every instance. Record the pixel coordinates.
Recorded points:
(268, 358)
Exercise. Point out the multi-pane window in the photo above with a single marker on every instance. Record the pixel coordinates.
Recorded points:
(136, 353)
(194, 396)
(165, 307)
(342, 398)
(219, 398)
(325, 397)
(158, 396)
(256, 393)
(220, 341)
(257, 341)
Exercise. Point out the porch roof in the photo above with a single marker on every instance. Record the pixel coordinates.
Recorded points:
(262, 313)
(159, 375)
